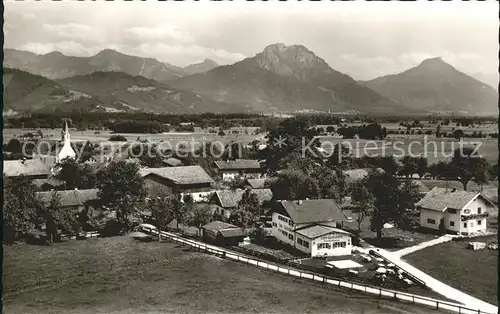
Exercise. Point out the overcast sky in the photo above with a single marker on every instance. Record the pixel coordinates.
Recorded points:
(362, 39)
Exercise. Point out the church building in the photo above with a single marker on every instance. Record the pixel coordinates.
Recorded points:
(66, 151)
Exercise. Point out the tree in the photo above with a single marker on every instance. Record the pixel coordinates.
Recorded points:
(467, 165)
(364, 202)
(291, 138)
(117, 138)
(458, 134)
(421, 166)
(199, 216)
(250, 202)
(221, 132)
(69, 173)
(388, 205)
(161, 212)
(409, 166)
(294, 185)
(330, 129)
(341, 157)
(121, 189)
(56, 218)
(19, 208)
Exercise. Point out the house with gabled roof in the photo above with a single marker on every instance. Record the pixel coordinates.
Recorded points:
(454, 210)
(227, 200)
(312, 226)
(192, 180)
(30, 168)
(239, 168)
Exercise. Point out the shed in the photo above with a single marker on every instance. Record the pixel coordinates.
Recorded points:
(223, 234)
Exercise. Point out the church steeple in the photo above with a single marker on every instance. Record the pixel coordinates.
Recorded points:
(67, 150)
(65, 133)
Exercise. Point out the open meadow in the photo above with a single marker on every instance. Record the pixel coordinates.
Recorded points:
(457, 266)
(120, 275)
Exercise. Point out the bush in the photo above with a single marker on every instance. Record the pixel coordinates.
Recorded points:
(118, 138)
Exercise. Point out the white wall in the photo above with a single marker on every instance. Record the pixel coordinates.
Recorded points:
(430, 214)
(198, 196)
(472, 225)
(281, 225)
(331, 239)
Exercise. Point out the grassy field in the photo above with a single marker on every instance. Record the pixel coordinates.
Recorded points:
(119, 275)
(393, 239)
(474, 272)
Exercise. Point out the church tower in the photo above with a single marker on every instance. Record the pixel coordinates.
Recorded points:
(66, 150)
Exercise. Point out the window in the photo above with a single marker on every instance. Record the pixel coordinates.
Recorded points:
(290, 236)
(305, 244)
(452, 224)
(479, 222)
(479, 210)
(299, 241)
(275, 224)
(465, 225)
(222, 212)
(324, 246)
(431, 221)
(452, 211)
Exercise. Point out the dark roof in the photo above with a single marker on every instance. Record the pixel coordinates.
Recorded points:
(27, 167)
(313, 211)
(180, 175)
(439, 199)
(256, 183)
(216, 226)
(230, 198)
(316, 231)
(70, 197)
(238, 164)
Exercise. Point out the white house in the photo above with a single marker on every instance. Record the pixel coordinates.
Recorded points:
(311, 226)
(454, 210)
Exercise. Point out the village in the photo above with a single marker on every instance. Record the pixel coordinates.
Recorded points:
(362, 219)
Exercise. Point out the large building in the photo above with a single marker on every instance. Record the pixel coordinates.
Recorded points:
(192, 180)
(312, 226)
(29, 168)
(239, 168)
(453, 210)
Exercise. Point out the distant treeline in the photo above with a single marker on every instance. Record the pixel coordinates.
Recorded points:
(83, 120)
(139, 122)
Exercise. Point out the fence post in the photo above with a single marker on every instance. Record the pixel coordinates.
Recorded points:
(437, 305)
(413, 299)
(380, 293)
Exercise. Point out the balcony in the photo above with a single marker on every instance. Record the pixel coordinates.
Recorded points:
(475, 216)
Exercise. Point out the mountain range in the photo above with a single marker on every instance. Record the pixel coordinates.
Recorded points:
(434, 85)
(280, 78)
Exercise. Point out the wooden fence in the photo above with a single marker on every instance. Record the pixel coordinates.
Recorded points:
(381, 292)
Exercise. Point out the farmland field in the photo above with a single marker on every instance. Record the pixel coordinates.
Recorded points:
(119, 275)
(474, 272)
